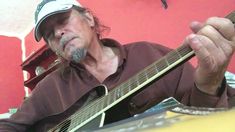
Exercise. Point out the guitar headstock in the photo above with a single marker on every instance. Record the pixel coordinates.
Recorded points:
(231, 16)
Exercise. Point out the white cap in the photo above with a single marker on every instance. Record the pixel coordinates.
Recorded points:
(50, 7)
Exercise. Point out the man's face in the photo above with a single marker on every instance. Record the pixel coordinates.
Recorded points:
(69, 34)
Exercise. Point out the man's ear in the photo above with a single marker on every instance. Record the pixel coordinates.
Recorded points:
(89, 19)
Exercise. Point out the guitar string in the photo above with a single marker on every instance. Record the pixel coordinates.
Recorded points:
(181, 49)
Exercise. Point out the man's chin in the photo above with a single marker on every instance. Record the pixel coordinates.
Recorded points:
(77, 56)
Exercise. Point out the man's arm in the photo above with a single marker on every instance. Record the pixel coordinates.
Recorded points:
(31, 110)
(213, 43)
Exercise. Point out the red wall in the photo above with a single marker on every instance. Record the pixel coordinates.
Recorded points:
(135, 20)
(11, 76)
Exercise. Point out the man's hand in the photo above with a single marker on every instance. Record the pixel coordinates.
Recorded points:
(213, 43)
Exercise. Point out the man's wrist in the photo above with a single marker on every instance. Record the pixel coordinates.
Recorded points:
(221, 88)
(214, 91)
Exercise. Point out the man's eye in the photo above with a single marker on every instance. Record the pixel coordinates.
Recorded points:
(44, 36)
(63, 20)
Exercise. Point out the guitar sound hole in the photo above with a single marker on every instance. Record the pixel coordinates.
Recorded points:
(65, 126)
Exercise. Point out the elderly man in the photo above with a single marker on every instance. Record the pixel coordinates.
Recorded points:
(87, 61)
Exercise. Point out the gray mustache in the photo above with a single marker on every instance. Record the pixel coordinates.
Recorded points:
(64, 40)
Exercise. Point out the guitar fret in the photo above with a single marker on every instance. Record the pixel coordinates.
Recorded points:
(152, 71)
(156, 68)
(59, 126)
(105, 102)
(99, 107)
(96, 108)
(92, 112)
(176, 51)
(114, 94)
(137, 81)
(81, 117)
(172, 57)
(68, 123)
(118, 93)
(87, 114)
(78, 120)
(101, 103)
(111, 97)
(146, 75)
(142, 78)
(122, 91)
(75, 123)
(129, 86)
(133, 84)
(184, 50)
(167, 63)
(161, 64)
(108, 99)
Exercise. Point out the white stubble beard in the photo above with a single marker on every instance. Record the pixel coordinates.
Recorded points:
(78, 55)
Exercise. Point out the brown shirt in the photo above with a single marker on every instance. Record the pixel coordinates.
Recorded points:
(62, 92)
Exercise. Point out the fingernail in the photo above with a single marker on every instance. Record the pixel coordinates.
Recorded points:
(195, 39)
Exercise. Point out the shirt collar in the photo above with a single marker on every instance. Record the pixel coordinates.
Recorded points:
(109, 43)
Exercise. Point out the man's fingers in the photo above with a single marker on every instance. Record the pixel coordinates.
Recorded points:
(199, 49)
(224, 26)
(218, 40)
(196, 26)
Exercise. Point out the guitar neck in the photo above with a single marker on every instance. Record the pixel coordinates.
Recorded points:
(148, 75)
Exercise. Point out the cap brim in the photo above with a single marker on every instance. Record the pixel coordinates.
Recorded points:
(37, 33)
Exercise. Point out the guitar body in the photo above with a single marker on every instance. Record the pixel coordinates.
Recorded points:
(69, 125)
(94, 124)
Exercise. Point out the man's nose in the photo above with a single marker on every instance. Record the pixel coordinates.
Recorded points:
(59, 32)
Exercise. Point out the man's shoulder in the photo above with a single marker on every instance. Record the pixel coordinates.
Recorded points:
(146, 46)
(54, 77)
(140, 43)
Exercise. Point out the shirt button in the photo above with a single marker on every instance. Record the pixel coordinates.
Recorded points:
(132, 105)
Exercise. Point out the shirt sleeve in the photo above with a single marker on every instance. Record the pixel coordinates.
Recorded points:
(27, 114)
(194, 97)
